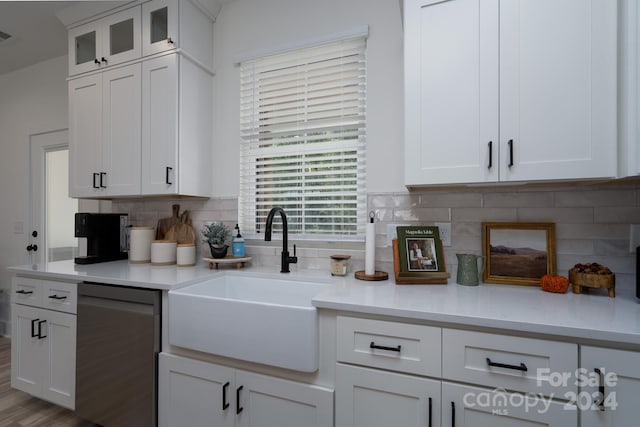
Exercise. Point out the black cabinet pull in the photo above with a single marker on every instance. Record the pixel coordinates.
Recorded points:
(238, 407)
(56, 297)
(600, 389)
(430, 408)
(510, 152)
(33, 328)
(102, 175)
(23, 292)
(225, 404)
(453, 414)
(40, 323)
(95, 175)
(490, 155)
(166, 175)
(522, 366)
(382, 347)
(32, 248)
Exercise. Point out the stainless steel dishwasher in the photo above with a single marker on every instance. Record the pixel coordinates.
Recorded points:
(117, 355)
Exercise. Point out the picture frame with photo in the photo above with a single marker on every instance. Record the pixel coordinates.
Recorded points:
(420, 250)
(518, 253)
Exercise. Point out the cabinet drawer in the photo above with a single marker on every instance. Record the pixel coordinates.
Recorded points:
(61, 296)
(513, 363)
(390, 345)
(26, 291)
(49, 294)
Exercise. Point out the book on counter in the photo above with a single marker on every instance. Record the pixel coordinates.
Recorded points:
(417, 277)
(420, 249)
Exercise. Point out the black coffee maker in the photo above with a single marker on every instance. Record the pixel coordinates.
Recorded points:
(106, 236)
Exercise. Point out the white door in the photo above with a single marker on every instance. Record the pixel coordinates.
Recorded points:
(194, 393)
(264, 401)
(159, 26)
(374, 398)
(451, 95)
(557, 89)
(620, 381)
(160, 125)
(28, 350)
(121, 144)
(465, 406)
(85, 135)
(59, 383)
(51, 212)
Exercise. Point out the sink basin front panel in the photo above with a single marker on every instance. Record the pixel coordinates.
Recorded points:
(257, 321)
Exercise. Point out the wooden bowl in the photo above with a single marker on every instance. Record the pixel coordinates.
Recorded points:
(598, 281)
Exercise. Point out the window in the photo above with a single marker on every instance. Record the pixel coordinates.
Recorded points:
(302, 120)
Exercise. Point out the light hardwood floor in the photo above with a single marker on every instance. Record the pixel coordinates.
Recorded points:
(18, 409)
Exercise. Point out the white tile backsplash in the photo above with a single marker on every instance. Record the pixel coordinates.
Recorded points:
(592, 223)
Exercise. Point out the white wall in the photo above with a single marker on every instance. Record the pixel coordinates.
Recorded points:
(32, 100)
(247, 26)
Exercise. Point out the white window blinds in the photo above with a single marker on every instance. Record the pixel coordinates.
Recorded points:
(302, 123)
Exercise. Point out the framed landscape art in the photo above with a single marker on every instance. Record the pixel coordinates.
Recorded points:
(518, 253)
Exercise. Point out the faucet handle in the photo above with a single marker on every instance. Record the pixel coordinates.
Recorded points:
(293, 259)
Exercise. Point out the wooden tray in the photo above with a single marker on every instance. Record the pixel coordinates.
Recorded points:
(228, 260)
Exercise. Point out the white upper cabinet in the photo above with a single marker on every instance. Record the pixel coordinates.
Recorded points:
(108, 41)
(159, 26)
(629, 89)
(105, 133)
(511, 90)
(174, 24)
(142, 127)
(451, 91)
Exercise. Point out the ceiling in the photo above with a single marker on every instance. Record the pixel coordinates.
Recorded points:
(36, 33)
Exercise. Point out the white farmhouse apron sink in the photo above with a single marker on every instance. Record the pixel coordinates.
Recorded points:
(256, 317)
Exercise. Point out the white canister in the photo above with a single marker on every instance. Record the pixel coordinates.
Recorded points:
(163, 252)
(186, 255)
(140, 239)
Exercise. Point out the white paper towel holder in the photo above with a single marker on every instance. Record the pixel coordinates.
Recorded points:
(370, 263)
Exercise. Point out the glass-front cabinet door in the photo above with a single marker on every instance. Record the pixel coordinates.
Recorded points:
(122, 41)
(159, 26)
(107, 41)
(85, 43)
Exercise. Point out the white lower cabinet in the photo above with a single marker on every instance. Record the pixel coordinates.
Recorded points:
(376, 398)
(195, 393)
(610, 391)
(43, 354)
(466, 406)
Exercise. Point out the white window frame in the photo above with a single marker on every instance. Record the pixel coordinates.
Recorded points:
(317, 125)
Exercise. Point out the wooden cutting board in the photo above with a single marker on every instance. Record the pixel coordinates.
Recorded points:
(166, 223)
(182, 232)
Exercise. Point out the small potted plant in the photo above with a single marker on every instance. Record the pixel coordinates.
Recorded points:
(216, 235)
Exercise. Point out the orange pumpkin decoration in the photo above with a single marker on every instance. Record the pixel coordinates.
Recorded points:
(554, 283)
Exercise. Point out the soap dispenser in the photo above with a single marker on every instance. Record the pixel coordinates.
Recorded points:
(238, 243)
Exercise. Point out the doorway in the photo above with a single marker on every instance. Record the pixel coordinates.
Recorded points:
(51, 210)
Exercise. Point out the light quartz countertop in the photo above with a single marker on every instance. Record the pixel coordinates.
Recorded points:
(521, 309)
(121, 273)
